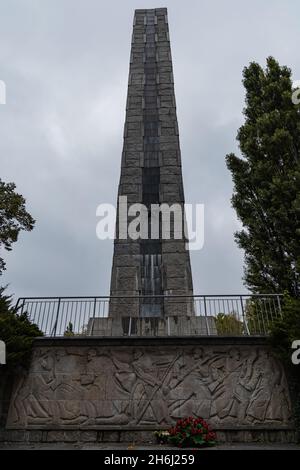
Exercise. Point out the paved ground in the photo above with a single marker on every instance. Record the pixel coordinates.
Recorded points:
(134, 447)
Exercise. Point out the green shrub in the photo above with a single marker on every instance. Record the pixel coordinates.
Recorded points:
(17, 332)
(228, 324)
(283, 332)
(286, 328)
(69, 330)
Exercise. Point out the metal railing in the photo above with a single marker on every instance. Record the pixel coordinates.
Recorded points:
(182, 315)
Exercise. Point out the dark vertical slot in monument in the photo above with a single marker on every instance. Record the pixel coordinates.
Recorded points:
(151, 278)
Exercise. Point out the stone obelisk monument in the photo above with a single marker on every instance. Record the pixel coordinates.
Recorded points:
(151, 174)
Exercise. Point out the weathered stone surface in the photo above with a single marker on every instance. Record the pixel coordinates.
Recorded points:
(34, 436)
(127, 247)
(140, 385)
(110, 436)
(173, 263)
(122, 307)
(99, 326)
(171, 198)
(15, 436)
(132, 160)
(174, 285)
(127, 260)
(88, 436)
(132, 188)
(173, 246)
(135, 179)
(127, 278)
(61, 436)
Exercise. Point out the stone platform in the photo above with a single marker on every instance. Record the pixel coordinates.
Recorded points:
(122, 389)
(152, 326)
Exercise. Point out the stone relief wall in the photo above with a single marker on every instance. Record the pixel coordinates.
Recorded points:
(147, 386)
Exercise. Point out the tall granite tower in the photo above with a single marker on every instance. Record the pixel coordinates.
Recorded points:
(151, 174)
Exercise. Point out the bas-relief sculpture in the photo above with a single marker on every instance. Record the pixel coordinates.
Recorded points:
(145, 387)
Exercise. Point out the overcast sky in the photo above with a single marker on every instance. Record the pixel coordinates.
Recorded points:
(65, 64)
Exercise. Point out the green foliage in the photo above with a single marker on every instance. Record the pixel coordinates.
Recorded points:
(13, 217)
(190, 432)
(283, 332)
(286, 329)
(254, 317)
(228, 324)
(267, 181)
(17, 332)
(69, 330)
(260, 313)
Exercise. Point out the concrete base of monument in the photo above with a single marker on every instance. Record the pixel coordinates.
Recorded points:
(268, 436)
(92, 389)
(152, 326)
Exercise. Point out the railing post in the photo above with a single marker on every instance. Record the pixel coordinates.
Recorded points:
(17, 304)
(168, 326)
(56, 320)
(245, 323)
(279, 304)
(129, 327)
(206, 319)
(94, 313)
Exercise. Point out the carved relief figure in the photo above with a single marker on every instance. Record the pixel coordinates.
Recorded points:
(99, 383)
(68, 392)
(148, 394)
(32, 400)
(189, 387)
(228, 392)
(269, 401)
